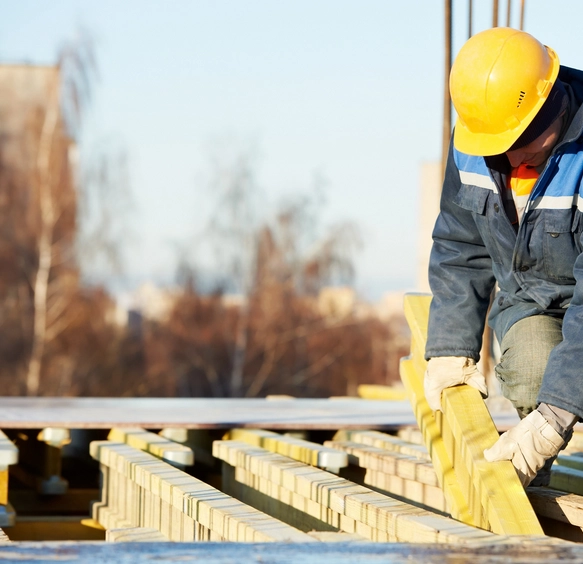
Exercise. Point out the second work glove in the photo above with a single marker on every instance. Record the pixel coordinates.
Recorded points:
(447, 371)
(528, 446)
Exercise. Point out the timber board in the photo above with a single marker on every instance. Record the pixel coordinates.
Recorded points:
(308, 553)
(202, 413)
(212, 413)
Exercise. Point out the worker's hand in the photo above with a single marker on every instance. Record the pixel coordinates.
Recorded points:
(447, 371)
(528, 446)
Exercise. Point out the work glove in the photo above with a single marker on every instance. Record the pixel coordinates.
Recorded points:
(528, 446)
(447, 371)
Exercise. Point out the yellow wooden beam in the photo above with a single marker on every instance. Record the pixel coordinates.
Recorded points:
(172, 452)
(457, 503)
(298, 449)
(488, 495)
(383, 441)
(378, 392)
(504, 505)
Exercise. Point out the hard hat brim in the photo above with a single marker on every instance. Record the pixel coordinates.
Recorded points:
(484, 144)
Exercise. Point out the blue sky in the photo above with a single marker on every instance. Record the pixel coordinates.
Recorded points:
(347, 90)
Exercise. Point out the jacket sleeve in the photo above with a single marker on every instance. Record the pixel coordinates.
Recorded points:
(460, 277)
(562, 384)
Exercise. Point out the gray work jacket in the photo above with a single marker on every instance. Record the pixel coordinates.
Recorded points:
(537, 265)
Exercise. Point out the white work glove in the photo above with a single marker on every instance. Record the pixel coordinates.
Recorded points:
(528, 446)
(447, 371)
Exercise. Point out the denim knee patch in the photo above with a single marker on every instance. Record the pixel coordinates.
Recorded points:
(525, 351)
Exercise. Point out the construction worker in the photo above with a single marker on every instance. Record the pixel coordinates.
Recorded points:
(508, 240)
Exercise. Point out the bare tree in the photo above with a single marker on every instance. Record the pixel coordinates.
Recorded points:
(104, 204)
(56, 196)
(276, 263)
(232, 231)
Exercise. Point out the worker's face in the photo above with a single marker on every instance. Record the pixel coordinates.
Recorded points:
(537, 152)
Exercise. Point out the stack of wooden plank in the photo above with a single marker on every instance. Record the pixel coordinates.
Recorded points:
(393, 465)
(310, 497)
(140, 490)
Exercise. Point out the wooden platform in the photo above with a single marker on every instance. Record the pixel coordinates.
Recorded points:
(387, 494)
(281, 480)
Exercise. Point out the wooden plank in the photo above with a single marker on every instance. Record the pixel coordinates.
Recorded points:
(567, 479)
(225, 413)
(306, 553)
(488, 495)
(378, 392)
(558, 505)
(161, 447)
(571, 461)
(298, 449)
(206, 413)
(384, 441)
(401, 521)
(411, 435)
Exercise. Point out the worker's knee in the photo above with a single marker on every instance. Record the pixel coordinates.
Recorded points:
(525, 351)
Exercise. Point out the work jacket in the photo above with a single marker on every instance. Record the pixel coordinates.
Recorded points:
(537, 265)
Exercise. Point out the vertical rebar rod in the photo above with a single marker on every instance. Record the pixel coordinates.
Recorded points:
(521, 15)
(470, 9)
(495, 14)
(508, 13)
(446, 96)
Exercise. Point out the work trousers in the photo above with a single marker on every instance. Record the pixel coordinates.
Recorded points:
(525, 351)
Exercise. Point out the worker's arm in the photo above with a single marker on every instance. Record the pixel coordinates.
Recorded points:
(460, 272)
(561, 385)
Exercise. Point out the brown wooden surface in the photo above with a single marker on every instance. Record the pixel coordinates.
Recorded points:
(200, 413)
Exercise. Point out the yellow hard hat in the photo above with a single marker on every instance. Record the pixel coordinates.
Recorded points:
(499, 81)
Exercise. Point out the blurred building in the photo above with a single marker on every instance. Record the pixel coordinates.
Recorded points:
(336, 301)
(24, 93)
(147, 302)
(36, 154)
